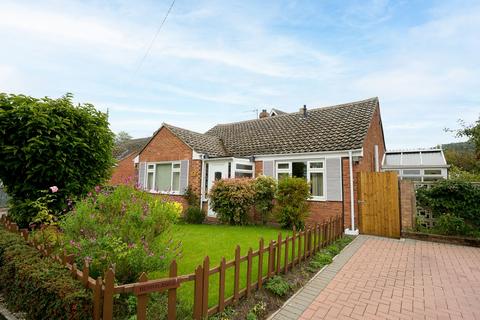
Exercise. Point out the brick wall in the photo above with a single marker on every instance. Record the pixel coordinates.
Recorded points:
(124, 172)
(408, 208)
(258, 168)
(321, 211)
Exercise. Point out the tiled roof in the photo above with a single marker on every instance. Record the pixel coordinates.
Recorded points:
(201, 143)
(125, 148)
(334, 128)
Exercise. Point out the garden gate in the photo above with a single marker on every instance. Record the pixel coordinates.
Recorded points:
(379, 212)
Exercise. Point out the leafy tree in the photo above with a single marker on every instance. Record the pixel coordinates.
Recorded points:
(122, 137)
(472, 132)
(463, 160)
(292, 206)
(51, 143)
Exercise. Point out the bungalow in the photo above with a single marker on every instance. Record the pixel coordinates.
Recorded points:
(327, 146)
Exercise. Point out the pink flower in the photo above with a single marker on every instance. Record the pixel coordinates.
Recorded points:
(53, 189)
(98, 189)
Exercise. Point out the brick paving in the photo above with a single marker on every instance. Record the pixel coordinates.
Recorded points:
(398, 279)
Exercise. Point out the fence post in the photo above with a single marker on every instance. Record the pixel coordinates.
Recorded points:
(85, 273)
(142, 300)
(270, 259)
(249, 272)
(172, 294)
(108, 295)
(279, 253)
(285, 264)
(236, 283)
(305, 243)
(197, 303)
(97, 298)
(293, 248)
(300, 246)
(221, 282)
(206, 274)
(260, 263)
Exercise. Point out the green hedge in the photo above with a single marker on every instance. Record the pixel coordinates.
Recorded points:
(39, 286)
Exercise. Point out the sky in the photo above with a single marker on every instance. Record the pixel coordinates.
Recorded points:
(219, 61)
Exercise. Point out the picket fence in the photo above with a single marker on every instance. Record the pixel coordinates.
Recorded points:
(281, 255)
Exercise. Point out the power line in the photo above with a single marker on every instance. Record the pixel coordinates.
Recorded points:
(154, 37)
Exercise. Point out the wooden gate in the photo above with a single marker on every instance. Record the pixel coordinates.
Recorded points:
(378, 202)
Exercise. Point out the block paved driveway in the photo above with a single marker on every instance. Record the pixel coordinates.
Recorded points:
(379, 278)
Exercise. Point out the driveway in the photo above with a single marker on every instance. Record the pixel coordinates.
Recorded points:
(379, 278)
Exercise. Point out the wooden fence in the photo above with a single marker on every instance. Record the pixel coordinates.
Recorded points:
(281, 256)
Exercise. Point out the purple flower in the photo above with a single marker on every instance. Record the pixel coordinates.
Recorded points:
(97, 189)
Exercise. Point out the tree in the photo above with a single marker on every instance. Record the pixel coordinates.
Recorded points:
(122, 137)
(472, 132)
(51, 150)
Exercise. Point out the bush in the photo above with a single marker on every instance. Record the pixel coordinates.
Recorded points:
(333, 249)
(232, 200)
(39, 286)
(319, 261)
(121, 228)
(265, 188)
(278, 286)
(194, 215)
(457, 198)
(449, 224)
(50, 142)
(292, 207)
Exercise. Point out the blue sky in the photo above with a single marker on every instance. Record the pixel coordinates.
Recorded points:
(216, 61)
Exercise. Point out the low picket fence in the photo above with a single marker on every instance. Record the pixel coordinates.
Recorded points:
(281, 256)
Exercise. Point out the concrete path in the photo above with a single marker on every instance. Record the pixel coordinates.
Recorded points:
(379, 278)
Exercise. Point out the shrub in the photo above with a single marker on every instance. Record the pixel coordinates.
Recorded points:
(192, 198)
(449, 224)
(50, 142)
(292, 206)
(251, 316)
(278, 286)
(265, 188)
(333, 249)
(457, 198)
(194, 215)
(39, 286)
(121, 228)
(319, 261)
(232, 199)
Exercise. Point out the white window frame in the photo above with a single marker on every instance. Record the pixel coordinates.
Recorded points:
(154, 170)
(309, 170)
(235, 170)
(318, 170)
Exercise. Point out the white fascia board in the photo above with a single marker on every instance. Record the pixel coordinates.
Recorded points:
(136, 159)
(310, 155)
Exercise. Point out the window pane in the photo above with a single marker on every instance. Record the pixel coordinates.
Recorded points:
(244, 166)
(412, 178)
(176, 181)
(282, 175)
(176, 165)
(299, 169)
(315, 165)
(151, 166)
(218, 175)
(433, 171)
(150, 181)
(316, 181)
(283, 165)
(243, 174)
(432, 178)
(411, 171)
(163, 177)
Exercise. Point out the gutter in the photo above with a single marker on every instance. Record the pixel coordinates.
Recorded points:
(352, 230)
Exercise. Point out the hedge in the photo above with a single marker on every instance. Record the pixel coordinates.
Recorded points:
(39, 286)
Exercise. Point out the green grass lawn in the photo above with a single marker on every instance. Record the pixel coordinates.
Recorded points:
(218, 241)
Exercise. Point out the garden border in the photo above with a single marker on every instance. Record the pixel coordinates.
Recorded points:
(456, 240)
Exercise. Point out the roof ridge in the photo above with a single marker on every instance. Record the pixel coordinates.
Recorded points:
(353, 103)
(172, 126)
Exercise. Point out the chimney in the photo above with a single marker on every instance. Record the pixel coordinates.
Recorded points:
(263, 114)
(303, 110)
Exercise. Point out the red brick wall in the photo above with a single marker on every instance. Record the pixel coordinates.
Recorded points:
(124, 172)
(258, 168)
(408, 208)
(323, 210)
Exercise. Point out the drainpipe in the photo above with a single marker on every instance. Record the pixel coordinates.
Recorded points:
(352, 230)
(202, 181)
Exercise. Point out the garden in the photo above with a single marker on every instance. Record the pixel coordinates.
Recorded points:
(54, 168)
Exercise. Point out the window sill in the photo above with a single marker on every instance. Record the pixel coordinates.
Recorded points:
(317, 199)
(167, 193)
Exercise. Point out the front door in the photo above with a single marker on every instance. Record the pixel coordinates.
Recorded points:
(216, 170)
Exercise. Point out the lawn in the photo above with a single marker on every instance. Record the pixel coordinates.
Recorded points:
(217, 241)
